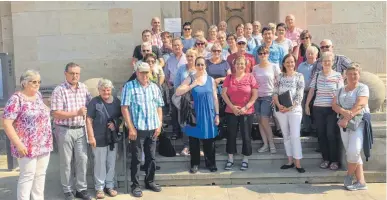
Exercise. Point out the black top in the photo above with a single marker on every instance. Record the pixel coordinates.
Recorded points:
(137, 52)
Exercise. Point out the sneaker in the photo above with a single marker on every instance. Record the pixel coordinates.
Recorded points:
(263, 149)
(357, 186)
(228, 165)
(348, 180)
(136, 191)
(244, 166)
(185, 152)
(83, 195)
(69, 196)
(273, 149)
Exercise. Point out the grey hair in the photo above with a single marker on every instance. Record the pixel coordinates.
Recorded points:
(313, 49)
(105, 83)
(146, 44)
(27, 76)
(213, 27)
(69, 65)
(327, 54)
(327, 41)
(355, 66)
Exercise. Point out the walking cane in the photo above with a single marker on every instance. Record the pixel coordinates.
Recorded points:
(125, 170)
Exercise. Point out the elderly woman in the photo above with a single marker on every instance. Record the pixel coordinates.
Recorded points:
(212, 35)
(281, 40)
(201, 47)
(232, 44)
(240, 30)
(203, 89)
(351, 102)
(306, 41)
(325, 83)
(289, 117)
(266, 73)
(103, 120)
(305, 69)
(26, 121)
(240, 90)
(217, 67)
(223, 43)
(187, 39)
(182, 73)
(257, 30)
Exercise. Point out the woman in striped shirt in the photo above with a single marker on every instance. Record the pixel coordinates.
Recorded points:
(328, 82)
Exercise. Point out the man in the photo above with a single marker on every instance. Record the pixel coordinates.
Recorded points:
(242, 51)
(340, 62)
(146, 47)
(277, 53)
(170, 70)
(257, 30)
(222, 26)
(69, 101)
(156, 32)
(141, 109)
(166, 49)
(137, 53)
(251, 41)
(292, 32)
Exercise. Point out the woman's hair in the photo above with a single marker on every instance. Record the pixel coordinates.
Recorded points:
(198, 58)
(105, 83)
(239, 58)
(27, 76)
(283, 61)
(264, 49)
(239, 25)
(281, 25)
(213, 27)
(221, 33)
(199, 32)
(312, 49)
(232, 35)
(355, 66)
(192, 51)
(324, 55)
(305, 33)
(166, 33)
(216, 46)
(150, 55)
(201, 39)
(272, 26)
(266, 28)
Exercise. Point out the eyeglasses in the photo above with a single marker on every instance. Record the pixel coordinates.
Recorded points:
(198, 44)
(200, 65)
(305, 38)
(325, 47)
(35, 82)
(189, 56)
(216, 51)
(187, 29)
(145, 50)
(241, 43)
(151, 61)
(73, 74)
(156, 22)
(263, 53)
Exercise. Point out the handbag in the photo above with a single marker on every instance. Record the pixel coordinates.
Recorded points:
(111, 136)
(354, 123)
(311, 103)
(166, 148)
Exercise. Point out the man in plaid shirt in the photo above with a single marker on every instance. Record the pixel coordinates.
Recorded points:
(141, 106)
(69, 101)
(156, 32)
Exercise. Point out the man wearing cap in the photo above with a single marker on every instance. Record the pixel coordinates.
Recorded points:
(242, 51)
(276, 54)
(141, 106)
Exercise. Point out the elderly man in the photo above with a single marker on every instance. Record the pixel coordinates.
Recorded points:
(292, 32)
(341, 63)
(156, 32)
(69, 101)
(257, 30)
(138, 52)
(141, 108)
(276, 54)
(251, 41)
(170, 70)
(242, 51)
(222, 26)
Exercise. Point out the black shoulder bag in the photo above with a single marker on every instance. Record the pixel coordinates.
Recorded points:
(115, 136)
(314, 97)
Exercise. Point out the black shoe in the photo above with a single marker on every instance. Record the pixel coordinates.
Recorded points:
(83, 195)
(317, 150)
(287, 166)
(69, 196)
(194, 169)
(213, 169)
(136, 191)
(142, 168)
(153, 186)
(300, 170)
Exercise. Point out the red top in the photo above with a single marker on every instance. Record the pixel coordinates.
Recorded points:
(240, 92)
(249, 59)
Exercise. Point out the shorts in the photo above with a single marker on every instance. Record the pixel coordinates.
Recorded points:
(263, 107)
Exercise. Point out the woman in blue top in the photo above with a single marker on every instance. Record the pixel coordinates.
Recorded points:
(206, 108)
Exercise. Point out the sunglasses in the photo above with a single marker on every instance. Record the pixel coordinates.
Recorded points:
(197, 44)
(305, 38)
(187, 29)
(200, 65)
(146, 51)
(241, 43)
(150, 61)
(35, 82)
(325, 47)
(263, 53)
(216, 51)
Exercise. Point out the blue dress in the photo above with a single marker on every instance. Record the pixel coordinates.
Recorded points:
(205, 112)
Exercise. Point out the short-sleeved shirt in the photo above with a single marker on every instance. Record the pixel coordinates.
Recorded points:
(187, 43)
(32, 124)
(326, 88)
(156, 39)
(286, 45)
(172, 65)
(348, 99)
(138, 54)
(302, 54)
(181, 75)
(258, 37)
(294, 35)
(249, 65)
(142, 103)
(252, 43)
(96, 111)
(306, 70)
(276, 54)
(340, 64)
(217, 70)
(240, 92)
(266, 78)
(65, 98)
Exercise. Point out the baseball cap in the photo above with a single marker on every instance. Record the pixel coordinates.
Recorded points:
(143, 67)
(242, 39)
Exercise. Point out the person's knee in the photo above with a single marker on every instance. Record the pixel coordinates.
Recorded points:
(353, 155)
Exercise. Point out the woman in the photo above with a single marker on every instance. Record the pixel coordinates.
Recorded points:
(223, 43)
(206, 108)
(182, 73)
(201, 47)
(328, 82)
(272, 27)
(157, 73)
(290, 117)
(217, 67)
(187, 39)
(351, 101)
(212, 33)
(103, 118)
(266, 74)
(27, 124)
(281, 40)
(232, 44)
(306, 41)
(240, 91)
(240, 30)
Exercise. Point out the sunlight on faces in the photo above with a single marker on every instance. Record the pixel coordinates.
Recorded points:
(240, 65)
(240, 31)
(73, 75)
(281, 31)
(212, 34)
(177, 47)
(268, 36)
(165, 39)
(142, 77)
(290, 63)
(147, 37)
(33, 84)
(187, 30)
(248, 29)
(310, 54)
(222, 39)
(190, 58)
(216, 50)
(151, 61)
(289, 20)
(105, 92)
(156, 24)
(231, 41)
(200, 65)
(324, 45)
(327, 62)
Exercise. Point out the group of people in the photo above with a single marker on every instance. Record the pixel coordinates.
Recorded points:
(250, 72)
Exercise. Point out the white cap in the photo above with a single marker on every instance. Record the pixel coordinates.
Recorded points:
(242, 39)
(143, 67)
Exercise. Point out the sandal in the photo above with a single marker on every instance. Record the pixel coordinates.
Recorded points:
(228, 165)
(334, 166)
(324, 164)
(111, 192)
(99, 194)
(244, 166)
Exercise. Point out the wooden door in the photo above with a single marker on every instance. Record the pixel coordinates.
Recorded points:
(235, 12)
(199, 13)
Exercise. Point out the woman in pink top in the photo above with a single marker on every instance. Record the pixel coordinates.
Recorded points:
(27, 123)
(240, 90)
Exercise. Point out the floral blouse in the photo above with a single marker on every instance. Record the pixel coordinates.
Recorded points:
(32, 124)
(296, 86)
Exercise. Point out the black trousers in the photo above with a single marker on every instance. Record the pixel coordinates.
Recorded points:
(245, 122)
(208, 148)
(325, 120)
(175, 123)
(149, 151)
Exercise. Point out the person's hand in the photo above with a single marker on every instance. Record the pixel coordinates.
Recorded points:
(243, 110)
(82, 111)
(218, 80)
(307, 110)
(236, 110)
(21, 149)
(132, 134)
(343, 123)
(217, 120)
(157, 133)
(92, 142)
(194, 83)
(347, 114)
(111, 126)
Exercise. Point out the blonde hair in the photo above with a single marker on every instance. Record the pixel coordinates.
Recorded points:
(327, 54)
(202, 39)
(199, 33)
(213, 27)
(192, 51)
(28, 76)
(355, 66)
(216, 45)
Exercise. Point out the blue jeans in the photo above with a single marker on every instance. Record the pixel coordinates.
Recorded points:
(263, 106)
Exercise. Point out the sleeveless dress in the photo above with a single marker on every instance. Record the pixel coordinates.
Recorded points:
(205, 112)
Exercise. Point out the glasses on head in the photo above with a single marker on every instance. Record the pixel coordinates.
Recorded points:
(200, 65)
(241, 43)
(262, 53)
(151, 61)
(325, 47)
(187, 29)
(200, 43)
(305, 38)
(35, 82)
(146, 50)
(216, 51)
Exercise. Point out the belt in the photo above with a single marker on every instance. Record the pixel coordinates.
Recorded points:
(71, 127)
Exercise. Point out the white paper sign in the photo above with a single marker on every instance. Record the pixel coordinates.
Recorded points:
(172, 25)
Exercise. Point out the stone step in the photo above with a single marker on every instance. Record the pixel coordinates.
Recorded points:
(379, 129)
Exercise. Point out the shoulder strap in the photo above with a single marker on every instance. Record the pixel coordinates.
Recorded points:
(256, 41)
(315, 85)
(338, 96)
(104, 107)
